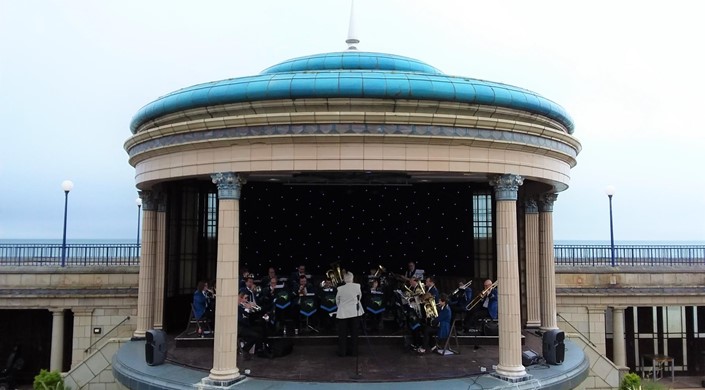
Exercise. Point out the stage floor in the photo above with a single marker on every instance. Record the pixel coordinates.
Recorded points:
(381, 358)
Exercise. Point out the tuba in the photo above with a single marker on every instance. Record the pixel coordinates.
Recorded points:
(335, 274)
(481, 296)
(429, 305)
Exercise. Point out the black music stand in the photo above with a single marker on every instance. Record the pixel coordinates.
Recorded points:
(307, 308)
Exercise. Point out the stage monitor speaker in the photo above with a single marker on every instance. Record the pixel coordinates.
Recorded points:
(529, 358)
(553, 346)
(155, 348)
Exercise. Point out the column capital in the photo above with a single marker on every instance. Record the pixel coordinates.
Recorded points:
(56, 311)
(618, 307)
(506, 186)
(149, 200)
(531, 206)
(546, 202)
(229, 184)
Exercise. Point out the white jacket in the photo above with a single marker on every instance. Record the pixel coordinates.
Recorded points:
(349, 301)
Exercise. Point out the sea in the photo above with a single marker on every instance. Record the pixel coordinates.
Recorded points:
(27, 241)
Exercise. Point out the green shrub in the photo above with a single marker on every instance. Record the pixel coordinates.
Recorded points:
(49, 380)
(651, 385)
(630, 381)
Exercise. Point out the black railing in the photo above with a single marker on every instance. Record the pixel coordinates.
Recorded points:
(574, 255)
(630, 255)
(76, 254)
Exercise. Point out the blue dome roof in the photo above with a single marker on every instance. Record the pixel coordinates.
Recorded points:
(352, 74)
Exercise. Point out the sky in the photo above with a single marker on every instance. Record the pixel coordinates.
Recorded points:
(630, 73)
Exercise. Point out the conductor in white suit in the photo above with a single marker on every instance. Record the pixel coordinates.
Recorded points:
(349, 311)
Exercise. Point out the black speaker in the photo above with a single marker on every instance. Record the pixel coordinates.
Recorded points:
(553, 346)
(155, 348)
(529, 358)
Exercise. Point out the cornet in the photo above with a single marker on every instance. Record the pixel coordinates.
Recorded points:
(480, 297)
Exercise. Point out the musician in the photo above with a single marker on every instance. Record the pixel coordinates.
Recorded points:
(490, 306)
(304, 287)
(200, 306)
(439, 326)
(326, 297)
(247, 329)
(459, 301)
(267, 295)
(271, 273)
(209, 293)
(414, 287)
(298, 273)
(349, 312)
(371, 297)
(431, 288)
(243, 280)
(249, 289)
(411, 271)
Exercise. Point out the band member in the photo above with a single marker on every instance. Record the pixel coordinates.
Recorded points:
(250, 289)
(349, 312)
(411, 271)
(414, 287)
(326, 297)
(246, 327)
(243, 279)
(459, 302)
(298, 273)
(431, 288)
(271, 273)
(439, 326)
(200, 306)
(374, 305)
(304, 287)
(267, 295)
(489, 307)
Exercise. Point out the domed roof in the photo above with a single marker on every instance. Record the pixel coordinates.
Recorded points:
(352, 74)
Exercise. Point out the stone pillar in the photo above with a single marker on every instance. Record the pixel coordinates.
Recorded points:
(596, 327)
(533, 290)
(145, 294)
(619, 349)
(548, 263)
(82, 334)
(225, 371)
(509, 367)
(56, 361)
(160, 263)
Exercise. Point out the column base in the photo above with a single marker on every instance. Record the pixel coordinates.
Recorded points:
(533, 325)
(139, 335)
(209, 383)
(547, 328)
(512, 374)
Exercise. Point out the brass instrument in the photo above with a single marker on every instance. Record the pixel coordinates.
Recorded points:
(429, 305)
(466, 285)
(257, 290)
(335, 274)
(380, 270)
(302, 290)
(480, 297)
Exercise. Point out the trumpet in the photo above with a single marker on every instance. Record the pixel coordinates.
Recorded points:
(466, 285)
(480, 297)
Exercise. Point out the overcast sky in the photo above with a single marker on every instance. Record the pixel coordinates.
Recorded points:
(630, 73)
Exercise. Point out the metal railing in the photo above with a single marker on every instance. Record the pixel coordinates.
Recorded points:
(574, 255)
(76, 255)
(629, 255)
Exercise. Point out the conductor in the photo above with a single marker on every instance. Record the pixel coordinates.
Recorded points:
(349, 311)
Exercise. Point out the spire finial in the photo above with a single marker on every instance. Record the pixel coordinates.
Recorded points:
(352, 40)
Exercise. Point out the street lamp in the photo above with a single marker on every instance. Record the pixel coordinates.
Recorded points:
(138, 201)
(610, 191)
(67, 186)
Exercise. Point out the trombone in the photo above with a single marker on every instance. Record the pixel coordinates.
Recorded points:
(481, 296)
(463, 287)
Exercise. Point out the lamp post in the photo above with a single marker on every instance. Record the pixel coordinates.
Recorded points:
(138, 201)
(610, 191)
(67, 186)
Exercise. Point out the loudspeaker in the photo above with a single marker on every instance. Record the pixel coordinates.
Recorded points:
(529, 358)
(553, 346)
(155, 348)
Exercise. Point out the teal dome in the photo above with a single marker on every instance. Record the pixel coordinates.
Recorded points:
(352, 74)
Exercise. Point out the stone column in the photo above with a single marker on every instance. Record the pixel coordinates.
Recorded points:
(82, 334)
(596, 327)
(56, 361)
(509, 367)
(160, 263)
(619, 349)
(533, 292)
(145, 293)
(548, 262)
(225, 371)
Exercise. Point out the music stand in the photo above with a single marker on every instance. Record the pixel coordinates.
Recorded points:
(282, 301)
(307, 308)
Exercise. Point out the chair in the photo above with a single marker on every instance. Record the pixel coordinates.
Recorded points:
(308, 307)
(202, 325)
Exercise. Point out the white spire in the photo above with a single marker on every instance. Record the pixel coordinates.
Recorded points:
(352, 40)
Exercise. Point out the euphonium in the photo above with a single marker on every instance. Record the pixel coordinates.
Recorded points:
(335, 274)
(429, 305)
(480, 297)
